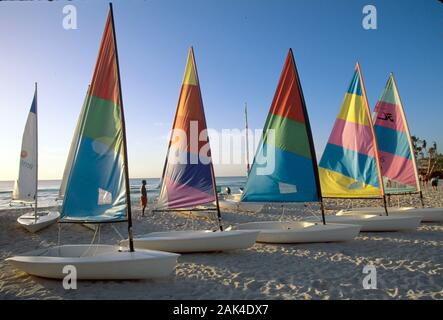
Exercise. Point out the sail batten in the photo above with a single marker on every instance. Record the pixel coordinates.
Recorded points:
(188, 178)
(396, 154)
(349, 166)
(287, 146)
(96, 186)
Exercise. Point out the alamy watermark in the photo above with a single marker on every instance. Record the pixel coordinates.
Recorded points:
(227, 146)
(70, 17)
(70, 280)
(370, 19)
(370, 280)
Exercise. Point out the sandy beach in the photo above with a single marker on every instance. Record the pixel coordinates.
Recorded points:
(409, 264)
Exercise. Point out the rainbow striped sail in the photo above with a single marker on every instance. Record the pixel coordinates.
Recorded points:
(349, 166)
(188, 178)
(96, 188)
(397, 161)
(286, 148)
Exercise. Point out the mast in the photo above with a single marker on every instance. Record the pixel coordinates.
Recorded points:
(125, 149)
(311, 141)
(247, 139)
(377, 160)
(36, 151)
(414, 163)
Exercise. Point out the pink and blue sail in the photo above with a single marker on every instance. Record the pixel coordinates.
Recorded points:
(397, 160)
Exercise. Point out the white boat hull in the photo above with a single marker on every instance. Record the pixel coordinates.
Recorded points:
(376, 223)
(30, 223)
(301, 232)
(234, 205)
(96, 262)
(195, 241)
(427, 214)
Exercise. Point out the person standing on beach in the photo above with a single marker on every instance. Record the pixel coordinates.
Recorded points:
(143, 197)
(434, 183)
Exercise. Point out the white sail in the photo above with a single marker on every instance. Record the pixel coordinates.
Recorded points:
(25, 187)
(72, 150)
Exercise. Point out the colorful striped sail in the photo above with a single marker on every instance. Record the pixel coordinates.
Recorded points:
(188, 178)
(349, 165)
(397, 161)
(96, 189)
(25, 187)
(286, 148)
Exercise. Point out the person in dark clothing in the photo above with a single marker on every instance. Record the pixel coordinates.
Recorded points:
(143, 197)
(228, 190)
(434, 183)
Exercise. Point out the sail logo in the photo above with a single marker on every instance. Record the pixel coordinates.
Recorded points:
(26, 164)
(286, 188)
(386, 116)
(356, 185)
(104, 197)
(23, 154)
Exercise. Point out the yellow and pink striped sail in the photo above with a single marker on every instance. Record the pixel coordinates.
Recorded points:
(349, 166)
(397, 161)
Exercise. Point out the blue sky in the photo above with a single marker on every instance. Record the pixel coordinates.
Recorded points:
(240, 47)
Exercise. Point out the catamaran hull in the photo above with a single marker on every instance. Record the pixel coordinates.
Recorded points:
(427, 214)
(30, 223)
(234, 205)
(96, 262)
(301, 232)
(196, 241)
(376, 223)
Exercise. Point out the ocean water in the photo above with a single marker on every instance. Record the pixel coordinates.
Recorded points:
(48, 190)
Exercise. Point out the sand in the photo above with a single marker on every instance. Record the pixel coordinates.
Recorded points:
(409, 264)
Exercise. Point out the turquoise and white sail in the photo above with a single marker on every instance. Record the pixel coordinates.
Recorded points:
(25, 187)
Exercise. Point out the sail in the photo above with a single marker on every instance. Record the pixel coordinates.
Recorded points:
(25, 187)
(96, 189)
(285, 149)
(397, 161)
(72, 149)
(349, 165)
(188, 178)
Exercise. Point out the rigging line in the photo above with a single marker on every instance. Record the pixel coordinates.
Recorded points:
(118, 233)
(59, 238)
(282, 212)
(59, 234)
(97, 228)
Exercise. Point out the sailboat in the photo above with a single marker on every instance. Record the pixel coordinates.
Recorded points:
(350, 168)
(286, 148)
(396, 153)
(188, 179)
(233, 202)
(97, 189)
(26, 186)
